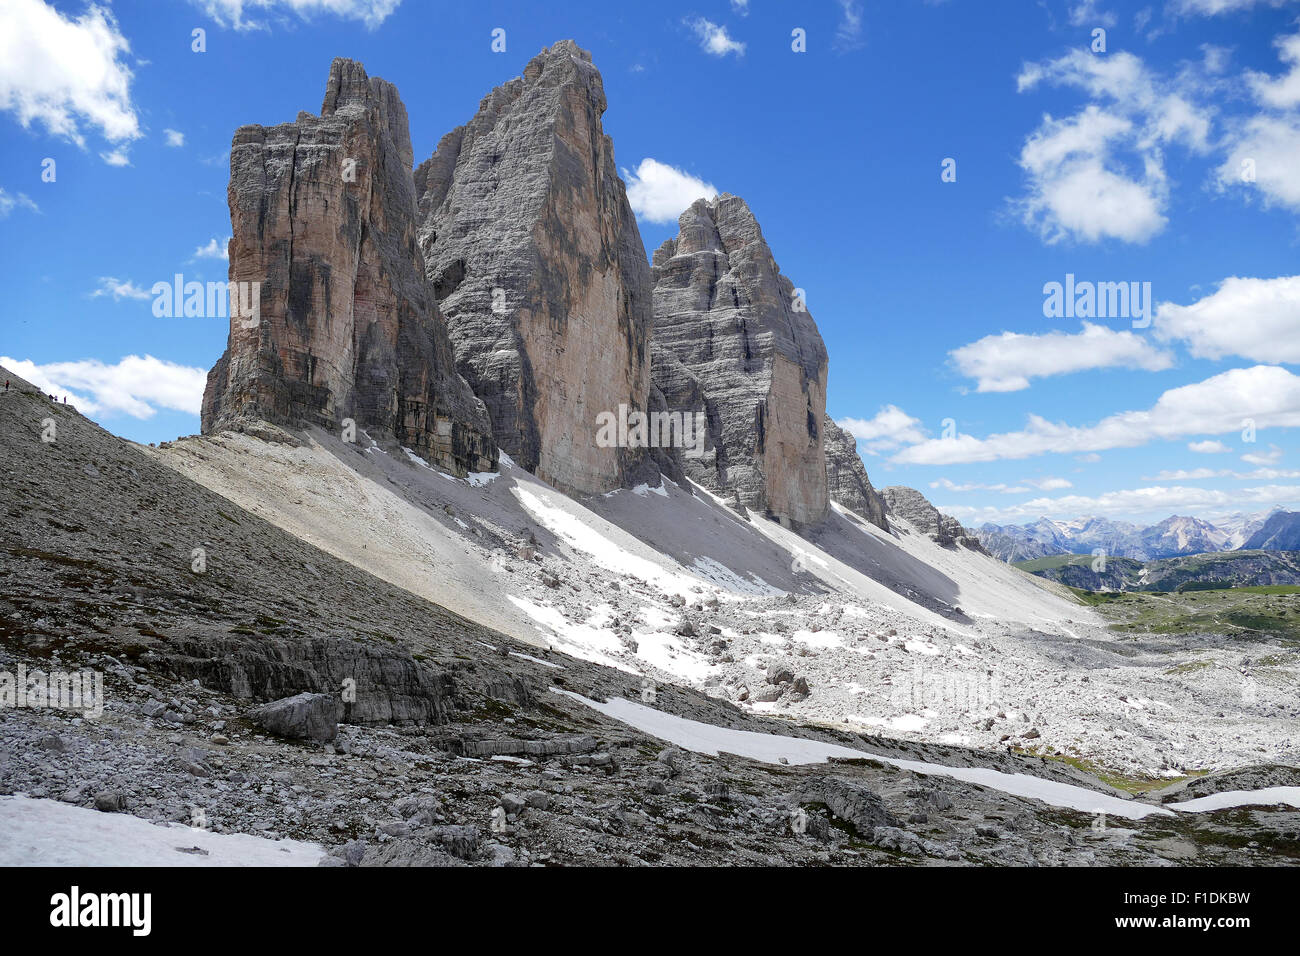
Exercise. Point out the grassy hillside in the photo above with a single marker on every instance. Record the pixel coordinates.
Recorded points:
(1250, 611)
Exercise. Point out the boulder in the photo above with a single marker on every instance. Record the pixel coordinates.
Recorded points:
(302, 717)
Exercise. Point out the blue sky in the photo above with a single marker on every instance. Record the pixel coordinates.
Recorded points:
(1171, 158)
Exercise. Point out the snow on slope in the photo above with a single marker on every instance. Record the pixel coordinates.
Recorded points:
(1267, 797)
(39, 832)
(700, 737)
(889, 630)
(705, 738)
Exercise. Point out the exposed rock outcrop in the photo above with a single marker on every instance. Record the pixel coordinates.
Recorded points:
(846, 476)
(323, 216)
(914, 508)
(733, 341)
(538, 264)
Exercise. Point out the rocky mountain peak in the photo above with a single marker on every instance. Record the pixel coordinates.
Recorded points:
(913, 507)
(538, 265)
(323, 219)
(734, 341)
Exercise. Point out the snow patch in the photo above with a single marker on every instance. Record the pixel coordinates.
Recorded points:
(39, 832)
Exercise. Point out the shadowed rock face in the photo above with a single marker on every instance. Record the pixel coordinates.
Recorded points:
(846, 476)
(538, 265)
(323, 216)
(730, 341)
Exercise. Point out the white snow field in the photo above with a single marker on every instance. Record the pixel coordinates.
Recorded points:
(1226, 799)
(893, 633)
(40, 832)
(709, 739)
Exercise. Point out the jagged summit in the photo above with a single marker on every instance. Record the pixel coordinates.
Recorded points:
(914, 508)
(732, 338)
(538, 265)
(323, 215)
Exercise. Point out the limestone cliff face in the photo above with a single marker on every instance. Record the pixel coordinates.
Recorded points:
(538, 265)
(731, 340)
(846, 476)
(323, 216)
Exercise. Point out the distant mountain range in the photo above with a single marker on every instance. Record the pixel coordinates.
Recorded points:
(1176, 536)
(1227, 569)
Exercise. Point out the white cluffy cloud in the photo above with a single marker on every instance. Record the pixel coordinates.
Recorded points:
(1257, 319)
(241, 14)
(67, 74)
(714, 39)
(135, 386)
(1100, 173)
(660, 193)
(1263, 148)
(1006, 362)
(890, 428)
(213, 249)
(1264, 459)
(119, 289)
(1210, 446)
(1087, 13)
(174, 138)
(1268, 395)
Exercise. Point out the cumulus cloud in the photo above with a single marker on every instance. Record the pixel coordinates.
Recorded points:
(1006, 362)
(658, 192)
(1100, 173)
(1270, 457)
(174, 137)
(213, 249)
(135, 386)
(66, 74)
(890, 428)
(714, 39)
(1262, 149)
(1208, 447)
(1262, 156)
(1268, 395)
(254, 14)
(119, 289)
(1282, 92)
(1087, 13)
(1257, 319)
(8, 203)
